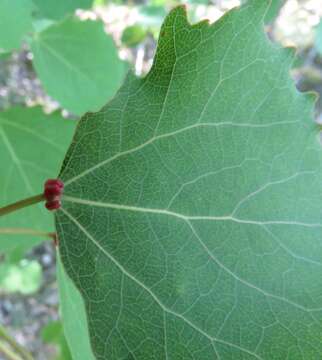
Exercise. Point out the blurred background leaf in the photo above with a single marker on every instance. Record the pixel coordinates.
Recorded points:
(133, 35)
(59, 8)
(74, 317)
(53, 333)
(32, 146)
(15, 22)
(78, 64)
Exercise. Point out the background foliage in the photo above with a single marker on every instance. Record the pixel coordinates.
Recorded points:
(58, 60)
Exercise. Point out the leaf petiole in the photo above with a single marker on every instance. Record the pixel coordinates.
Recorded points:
(22, 204)
(26, 231)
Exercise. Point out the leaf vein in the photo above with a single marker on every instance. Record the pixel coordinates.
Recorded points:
(148, 290)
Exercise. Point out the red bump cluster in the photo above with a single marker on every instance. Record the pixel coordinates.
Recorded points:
(52, 193)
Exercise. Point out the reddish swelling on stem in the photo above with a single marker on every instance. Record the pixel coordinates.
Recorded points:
(53, 205)
(53, 190)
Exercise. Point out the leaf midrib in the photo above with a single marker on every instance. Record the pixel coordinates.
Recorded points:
(186, 217)
(169, 135)
(189, 219)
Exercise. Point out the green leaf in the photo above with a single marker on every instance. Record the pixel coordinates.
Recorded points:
(32, 146)
(133, 35)
(74, 317)
(53, 333)
(24, 277)
(15, 22)
(57, 9)
(77, 63)
(192, 216)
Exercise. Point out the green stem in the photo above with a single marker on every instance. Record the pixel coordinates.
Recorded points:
(21, 204)
(24, 354)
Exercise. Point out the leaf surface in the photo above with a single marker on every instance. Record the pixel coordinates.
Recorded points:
(77, 63)
(32, 145)
(191, 221)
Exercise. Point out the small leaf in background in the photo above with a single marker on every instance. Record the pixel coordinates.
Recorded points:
(74, 316)
(32, 146)
(133, 35)
(15, 22)
(78, 64)
(53, 333)
(57, 9)
(24, 277)
(318, 38)
(191, 219)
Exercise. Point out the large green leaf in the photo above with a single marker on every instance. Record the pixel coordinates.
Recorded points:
(15, 22)
(74, 316)
(192, 216)
(32, 144)
(77, 63)
(56, 9)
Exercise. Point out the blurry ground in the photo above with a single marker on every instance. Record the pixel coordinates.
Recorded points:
(25, 316)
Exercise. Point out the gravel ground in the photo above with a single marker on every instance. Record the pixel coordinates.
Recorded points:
(25, 316)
